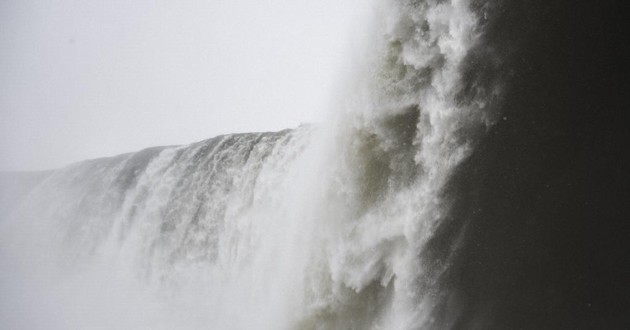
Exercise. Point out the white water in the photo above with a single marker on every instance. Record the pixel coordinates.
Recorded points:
(315, 228)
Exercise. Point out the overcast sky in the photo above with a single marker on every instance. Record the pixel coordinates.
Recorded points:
(84, 79)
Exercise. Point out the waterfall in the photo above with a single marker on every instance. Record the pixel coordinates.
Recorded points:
(320, 227)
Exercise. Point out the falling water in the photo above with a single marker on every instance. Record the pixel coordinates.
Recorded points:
(320, 227)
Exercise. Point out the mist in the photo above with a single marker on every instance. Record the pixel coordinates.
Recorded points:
(82, 80)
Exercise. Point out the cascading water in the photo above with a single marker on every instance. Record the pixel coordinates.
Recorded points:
(313, 228)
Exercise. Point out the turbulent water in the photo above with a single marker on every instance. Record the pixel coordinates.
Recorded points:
(369, 221)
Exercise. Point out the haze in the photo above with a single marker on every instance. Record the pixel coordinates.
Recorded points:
(86, 79)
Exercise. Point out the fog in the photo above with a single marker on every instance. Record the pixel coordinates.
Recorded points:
(86, 79)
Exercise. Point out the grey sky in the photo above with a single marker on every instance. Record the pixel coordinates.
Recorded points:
(84, 79)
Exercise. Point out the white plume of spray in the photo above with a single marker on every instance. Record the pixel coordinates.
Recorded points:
(403, 133)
